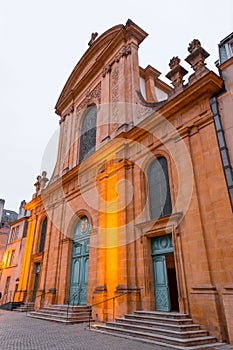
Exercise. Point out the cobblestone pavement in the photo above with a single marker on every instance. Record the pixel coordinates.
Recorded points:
(17, 331)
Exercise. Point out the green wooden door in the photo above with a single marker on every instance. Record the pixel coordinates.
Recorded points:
(79, 267)
(161, 283)
(36, 281)
(161, 246)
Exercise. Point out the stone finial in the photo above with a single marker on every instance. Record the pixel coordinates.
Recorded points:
(174, 62)
(40, 184)
(43, 180)
(37, 184)
(176, 73)
(93, 37)
(197, 57)
(194, 45)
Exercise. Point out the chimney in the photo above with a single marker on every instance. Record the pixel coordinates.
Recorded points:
(2, 203)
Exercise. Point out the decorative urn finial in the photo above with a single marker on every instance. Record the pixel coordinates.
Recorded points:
(195, 44)
(176, 74)
(174, 62)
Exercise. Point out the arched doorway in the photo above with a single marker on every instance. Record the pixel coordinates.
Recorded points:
(79, 265)
(165, 282)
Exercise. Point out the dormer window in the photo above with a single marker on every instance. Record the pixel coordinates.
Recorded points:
(230, 47)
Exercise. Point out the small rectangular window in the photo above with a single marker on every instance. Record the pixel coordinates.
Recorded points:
(12, 235)
(231, 48)
(7, 259)
(7, 285)
(16, 233)
(12, 259)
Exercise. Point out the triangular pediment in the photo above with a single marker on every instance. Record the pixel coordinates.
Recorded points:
(95, 56)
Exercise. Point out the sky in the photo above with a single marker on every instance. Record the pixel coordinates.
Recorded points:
(41, 42)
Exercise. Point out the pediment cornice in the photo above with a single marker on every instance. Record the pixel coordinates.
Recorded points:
(95, 57)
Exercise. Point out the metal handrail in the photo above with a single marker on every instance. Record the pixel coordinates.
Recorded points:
(37, 296)
(101, 302)
(73, 297)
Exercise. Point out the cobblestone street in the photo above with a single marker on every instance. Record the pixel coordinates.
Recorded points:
(17, 331)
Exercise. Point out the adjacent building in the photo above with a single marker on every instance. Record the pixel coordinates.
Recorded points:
(11, 263)
(140, 201)
(6, 217)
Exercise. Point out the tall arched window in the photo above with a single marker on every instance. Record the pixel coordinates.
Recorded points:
(159, 188)
(88, 134)
(43, 235)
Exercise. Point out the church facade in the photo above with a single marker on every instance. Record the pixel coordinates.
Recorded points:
(138, 208)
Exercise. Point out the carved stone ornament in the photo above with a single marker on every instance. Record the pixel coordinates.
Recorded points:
(124, 52)
(197, 56)
(40, 184)
(194, 45)
(106, 70)
(174, 62)
(93, 37)
(43, 180)
(37, 183)
(115, 98)
(71, 109)
(94, 94)
(176, 73)
(84, 225)
(62, 119)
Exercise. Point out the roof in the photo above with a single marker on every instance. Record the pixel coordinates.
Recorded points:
(9, 215)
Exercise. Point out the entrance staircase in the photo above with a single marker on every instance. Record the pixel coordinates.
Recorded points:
(169, 329)
(63, 314)
(27, 307)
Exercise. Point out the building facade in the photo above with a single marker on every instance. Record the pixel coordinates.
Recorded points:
(13, 256)
(138, 206)
(6, 217)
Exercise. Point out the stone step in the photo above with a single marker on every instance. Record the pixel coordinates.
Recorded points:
(164, 331)
(158, 318)
(160, 343)
(176, 326)
(60, 316)
(170, 315)
(166, 340)
(65, 306)
(59, 320)
(25, 307)
(24, 310)
(64, 312)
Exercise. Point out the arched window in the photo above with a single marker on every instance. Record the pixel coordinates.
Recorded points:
(159, 189)
(43, 235)
(88, 134)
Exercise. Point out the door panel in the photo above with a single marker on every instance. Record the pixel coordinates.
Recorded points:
(36, 280)
(35, 287)
(79, 268)
(161, 283)
(76, 271)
